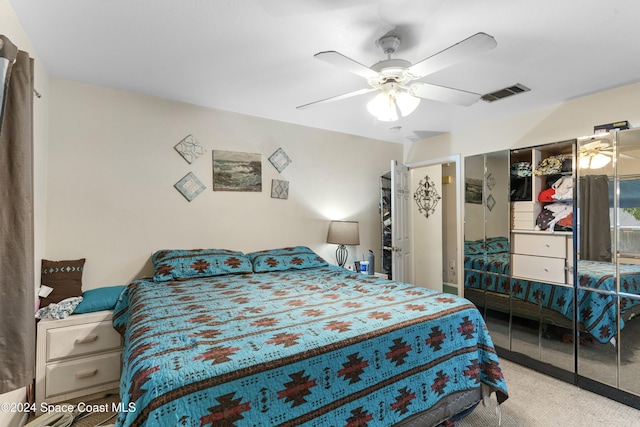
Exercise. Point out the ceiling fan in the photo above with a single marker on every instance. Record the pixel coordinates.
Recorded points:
(396, 79)
(597, 154)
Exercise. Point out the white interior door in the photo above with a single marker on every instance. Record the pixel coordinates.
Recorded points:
(401, 261)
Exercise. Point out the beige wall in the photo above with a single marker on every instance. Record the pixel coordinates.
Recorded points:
(10, 27)
(426, 233)
(112, 167)
(568, 120)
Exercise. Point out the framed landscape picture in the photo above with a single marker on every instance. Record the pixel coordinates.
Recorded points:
(473, 190)
(235, 171)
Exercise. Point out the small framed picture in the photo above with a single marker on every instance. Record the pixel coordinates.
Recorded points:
(357, 266)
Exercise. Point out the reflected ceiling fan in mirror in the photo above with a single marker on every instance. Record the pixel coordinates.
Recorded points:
(595, 154)
(395, 79)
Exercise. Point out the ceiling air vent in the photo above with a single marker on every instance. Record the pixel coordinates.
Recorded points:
(503, 93)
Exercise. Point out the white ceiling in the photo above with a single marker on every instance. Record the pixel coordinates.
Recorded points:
(256, 56)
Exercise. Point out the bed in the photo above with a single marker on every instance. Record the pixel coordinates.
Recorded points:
(280, 337)
(488, 284)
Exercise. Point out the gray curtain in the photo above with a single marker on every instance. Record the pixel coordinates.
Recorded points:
(17, 323)
(595, 225)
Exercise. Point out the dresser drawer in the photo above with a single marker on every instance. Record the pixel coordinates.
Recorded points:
(544, 245)
(82, 373)
(81, 339)
(523, 215)
(540, 269)
(523, 207)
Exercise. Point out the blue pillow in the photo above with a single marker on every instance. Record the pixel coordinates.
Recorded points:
(99, 299)
(180, 264)
(295, 258)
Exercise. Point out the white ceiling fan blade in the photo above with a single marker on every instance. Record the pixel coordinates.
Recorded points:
(337, 98)
(460, 51)
(346, 63)
(443, 94)
(596, 145)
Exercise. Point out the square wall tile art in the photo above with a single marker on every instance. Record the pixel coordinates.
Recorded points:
(190, 186)
(189, 148)
(234, 171)
(279, 159)
(279, 189)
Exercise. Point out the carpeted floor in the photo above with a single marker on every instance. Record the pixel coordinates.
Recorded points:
(538, 400)
(535, 400)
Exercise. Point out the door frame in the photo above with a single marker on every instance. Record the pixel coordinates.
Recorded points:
(457, 159)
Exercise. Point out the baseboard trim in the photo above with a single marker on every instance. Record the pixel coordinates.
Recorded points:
(608, 391)
(585, 383)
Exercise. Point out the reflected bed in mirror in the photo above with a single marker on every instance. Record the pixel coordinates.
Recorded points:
(487, 284)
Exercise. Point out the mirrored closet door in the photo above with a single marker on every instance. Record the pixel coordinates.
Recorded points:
(518, 254)
(542, 288)
(486, 251)
(552, 258)
(608, 266)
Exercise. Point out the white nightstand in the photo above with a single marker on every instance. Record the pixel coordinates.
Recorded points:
(77, 356)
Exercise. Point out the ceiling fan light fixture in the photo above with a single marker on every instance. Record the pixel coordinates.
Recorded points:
(595, 161)
(599, 161)
(386, 105)
(383, 107)
(407, 103)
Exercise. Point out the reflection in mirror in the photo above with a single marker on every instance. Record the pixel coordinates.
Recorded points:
(487, 240)
(609, 259)
(597, 311)
(627, 240)
(556, 345)
(474, 231)
(525, 317)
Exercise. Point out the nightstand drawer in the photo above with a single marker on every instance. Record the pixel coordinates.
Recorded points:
(81, 339)
(82, 373)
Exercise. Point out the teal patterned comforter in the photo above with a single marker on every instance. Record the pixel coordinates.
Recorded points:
(597, 297)
(314, 347)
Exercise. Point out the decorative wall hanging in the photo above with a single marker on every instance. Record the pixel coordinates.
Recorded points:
(473, 190)
(279, 189)
(189, 148)
(491, 202)
(189, 186)
(426, 196)
(234, 171)
(279, 159)
(491, 181)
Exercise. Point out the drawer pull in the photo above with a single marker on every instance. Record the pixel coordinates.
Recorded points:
(86, 374)
(546, 270)
(87, 339)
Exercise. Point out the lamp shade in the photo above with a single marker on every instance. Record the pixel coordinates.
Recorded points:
(344, 233)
